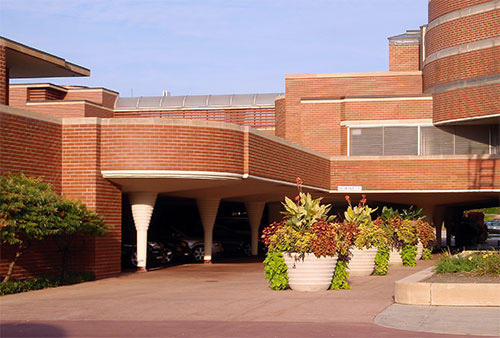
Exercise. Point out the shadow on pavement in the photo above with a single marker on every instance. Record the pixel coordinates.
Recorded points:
(31, 330)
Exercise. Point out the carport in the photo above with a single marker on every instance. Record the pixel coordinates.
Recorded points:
(208, 190)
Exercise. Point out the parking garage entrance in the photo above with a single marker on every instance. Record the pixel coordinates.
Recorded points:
(176, 235)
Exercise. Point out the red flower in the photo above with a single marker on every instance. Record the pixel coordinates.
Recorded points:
(297, 198)
(63, 213)
(299, 181)
(347, 198)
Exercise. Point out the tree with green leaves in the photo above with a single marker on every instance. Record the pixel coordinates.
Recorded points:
(30, 210)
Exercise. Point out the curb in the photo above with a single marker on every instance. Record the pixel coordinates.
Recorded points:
(412, 291)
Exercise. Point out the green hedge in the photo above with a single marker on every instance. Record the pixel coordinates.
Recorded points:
(37, 283)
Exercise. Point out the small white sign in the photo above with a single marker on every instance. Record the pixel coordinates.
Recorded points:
(349, 188)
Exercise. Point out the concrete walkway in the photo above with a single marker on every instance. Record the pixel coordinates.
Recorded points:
(442, 319)
(218, 300)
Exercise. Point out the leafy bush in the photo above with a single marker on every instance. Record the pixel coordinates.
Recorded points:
(30, 210)
(340, 276)
(426, 254)
(426, 233)
(28, 284)
(276, 270)
(382, 260)
(476, 263)
(406, 232)
(409, 255)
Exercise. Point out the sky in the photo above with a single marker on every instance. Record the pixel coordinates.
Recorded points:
(143, 47)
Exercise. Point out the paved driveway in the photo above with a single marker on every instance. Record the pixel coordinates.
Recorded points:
(218, 300)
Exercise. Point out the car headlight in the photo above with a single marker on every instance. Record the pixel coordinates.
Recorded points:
(155, 245)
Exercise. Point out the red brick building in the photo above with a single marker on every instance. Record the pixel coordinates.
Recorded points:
(426, 132)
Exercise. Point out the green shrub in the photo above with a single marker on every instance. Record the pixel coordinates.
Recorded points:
(340, 276)
(409, 255)
(426, 254)
(476, 263)
(276, 270)
(37, 283)
(382, 261)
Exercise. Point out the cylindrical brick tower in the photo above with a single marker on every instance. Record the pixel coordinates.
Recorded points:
(462, 59)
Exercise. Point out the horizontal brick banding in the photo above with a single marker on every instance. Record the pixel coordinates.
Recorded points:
(467, 29)
(401, 174)
(466, 103)
(306, 123)
(163, 147)
(331, 115)
(462, 66)
(438, 8)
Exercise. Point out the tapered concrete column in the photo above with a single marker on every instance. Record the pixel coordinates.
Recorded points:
(142, 204)
(274, 212)
(208, 211)
(254, 212)
(438, 222)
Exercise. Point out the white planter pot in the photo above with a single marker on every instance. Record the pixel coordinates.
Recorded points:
(420, 249)
(395, 257)
(362, 262)
(308, 272)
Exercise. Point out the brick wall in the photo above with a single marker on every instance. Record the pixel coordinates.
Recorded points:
(462, 66)
(4, 79)
(82, 179)
(466, 103)
(404, 58)
(438, 8)
(414, 173)
(166, 147)
(317, 125)
(280, 120)
(37, 146)
(95, 95)
(66, 108)
(472, 102)
(31, 146)
(467, 29)
(279, 161)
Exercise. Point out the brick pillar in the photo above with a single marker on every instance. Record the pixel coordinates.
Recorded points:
(82, 179)
(4, 77)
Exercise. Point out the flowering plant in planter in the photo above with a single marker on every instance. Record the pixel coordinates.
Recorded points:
(426, 235)
(406, 233)
(306, 229)
(368, 236)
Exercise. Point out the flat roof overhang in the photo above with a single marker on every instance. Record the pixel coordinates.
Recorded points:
(240, 188)
(27, 62)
